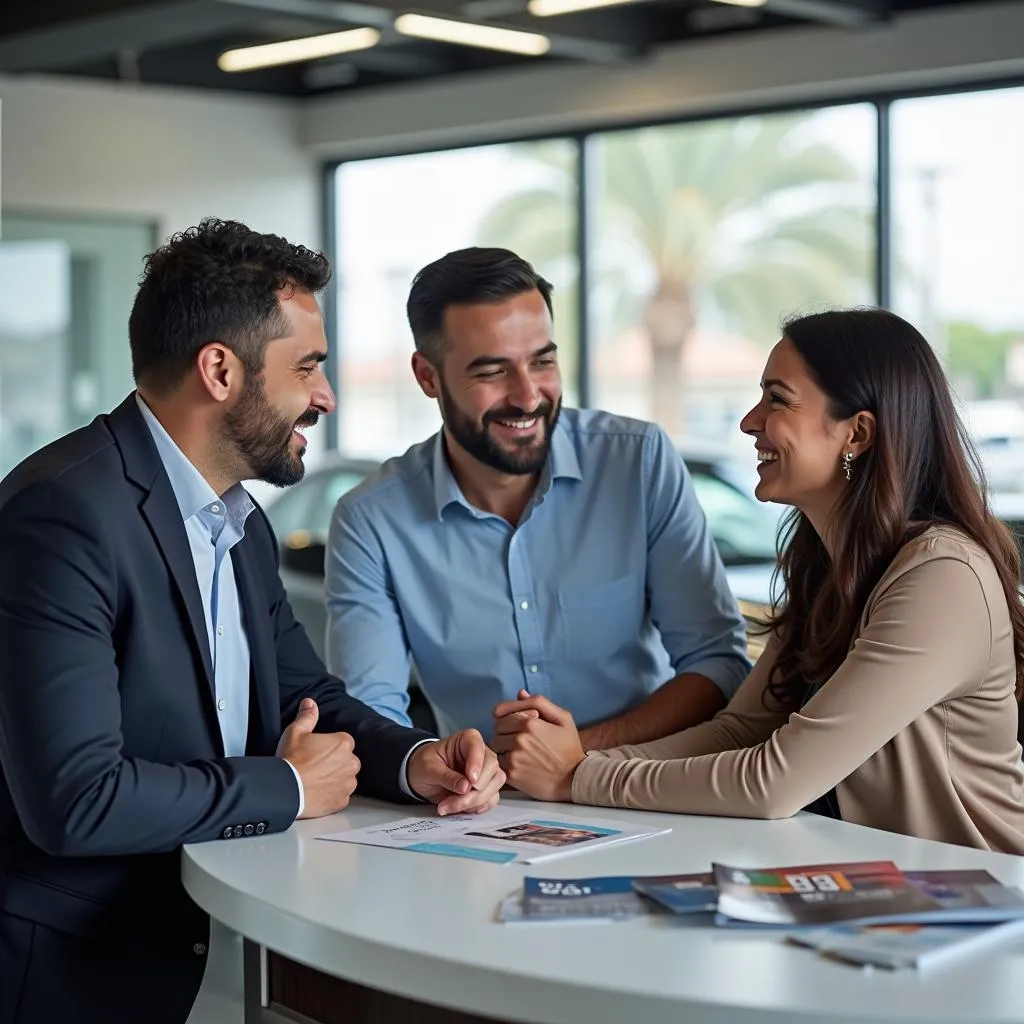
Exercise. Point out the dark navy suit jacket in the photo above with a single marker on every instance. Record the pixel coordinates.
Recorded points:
(110, 749)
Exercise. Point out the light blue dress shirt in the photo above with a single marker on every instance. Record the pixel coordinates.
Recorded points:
(609, 586)
(214, 524)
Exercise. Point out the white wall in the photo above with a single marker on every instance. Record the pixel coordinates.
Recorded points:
(787, 66)
(171, 156)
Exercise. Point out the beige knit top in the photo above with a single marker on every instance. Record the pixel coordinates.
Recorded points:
(917, 728)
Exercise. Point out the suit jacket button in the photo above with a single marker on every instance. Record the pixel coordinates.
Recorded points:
(261, 828)
(199, 949)
(249, 830)
(226, 834)
(238, 830)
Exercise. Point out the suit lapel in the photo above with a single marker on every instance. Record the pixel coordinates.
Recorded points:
(160, 509)
(262, 651)
(164, 517)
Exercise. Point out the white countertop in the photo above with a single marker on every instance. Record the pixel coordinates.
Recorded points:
(424, 926)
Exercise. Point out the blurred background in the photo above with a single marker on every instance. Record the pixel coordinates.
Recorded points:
(687, 173)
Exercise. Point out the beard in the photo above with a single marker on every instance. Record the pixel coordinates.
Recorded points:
(263, 437)
(528, 454)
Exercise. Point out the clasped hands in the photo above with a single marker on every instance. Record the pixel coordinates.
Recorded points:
(459, 774)
(538, 746)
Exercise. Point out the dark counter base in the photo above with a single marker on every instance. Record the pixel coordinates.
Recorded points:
(329, 1000)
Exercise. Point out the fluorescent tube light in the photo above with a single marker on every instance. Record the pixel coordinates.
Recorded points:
(469, 33)
(548, 8)
(292, 51)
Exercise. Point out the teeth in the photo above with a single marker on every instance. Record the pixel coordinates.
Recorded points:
(767, 456)
(518, 424)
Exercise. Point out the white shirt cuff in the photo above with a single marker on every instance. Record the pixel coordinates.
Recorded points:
(403, 773)
(298, 782)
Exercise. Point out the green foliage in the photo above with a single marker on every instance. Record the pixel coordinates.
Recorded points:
(751, 216)
(979, 355)
(738, 221)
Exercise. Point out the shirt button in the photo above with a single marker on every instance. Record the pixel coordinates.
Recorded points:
(524, 605)
(533, 668)
(220, 631)
(215, 508)
(221, 704)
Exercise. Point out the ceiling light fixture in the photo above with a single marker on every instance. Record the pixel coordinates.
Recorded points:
(292, 51)
(470, 33)
(548, 8)
(744, 3)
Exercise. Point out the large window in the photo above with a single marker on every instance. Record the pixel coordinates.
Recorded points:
(958, 254)
(701, 238)
(704, 235)
(395, 215)
(68, 287)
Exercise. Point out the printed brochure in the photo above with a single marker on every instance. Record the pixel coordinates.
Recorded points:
(869, 892)
(682, 894)
(920, 946)
(501, 836)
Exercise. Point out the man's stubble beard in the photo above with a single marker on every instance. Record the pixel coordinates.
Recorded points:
(262, 437)
(479, 443)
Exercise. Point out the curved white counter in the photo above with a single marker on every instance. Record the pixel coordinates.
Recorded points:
(423, 927)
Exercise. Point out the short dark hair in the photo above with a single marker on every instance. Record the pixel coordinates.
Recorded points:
(218, 281)
(466, 276)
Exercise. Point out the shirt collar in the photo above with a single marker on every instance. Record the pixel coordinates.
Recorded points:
(562, 463)
(190, 488)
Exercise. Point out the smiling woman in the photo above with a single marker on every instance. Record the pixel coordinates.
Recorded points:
(892, 673)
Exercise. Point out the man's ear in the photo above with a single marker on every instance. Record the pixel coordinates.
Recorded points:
(220, 371)
(426, 375)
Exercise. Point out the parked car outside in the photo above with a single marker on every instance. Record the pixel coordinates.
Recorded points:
(743, 530)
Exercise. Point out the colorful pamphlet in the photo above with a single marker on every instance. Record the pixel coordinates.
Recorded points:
(967, 897)
(611, 897)
(607, 898)
(919, 946)
(869, 892)
(682, 894)
(501, 836)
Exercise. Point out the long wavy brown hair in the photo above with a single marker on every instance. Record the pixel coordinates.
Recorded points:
(922, 470)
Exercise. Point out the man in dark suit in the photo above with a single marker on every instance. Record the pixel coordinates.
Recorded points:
(155, 689)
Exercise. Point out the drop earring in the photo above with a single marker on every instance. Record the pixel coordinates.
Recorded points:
(848, 465)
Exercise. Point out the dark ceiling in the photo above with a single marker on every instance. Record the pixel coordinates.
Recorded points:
(177, 42)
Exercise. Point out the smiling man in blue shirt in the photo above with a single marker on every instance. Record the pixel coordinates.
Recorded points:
(527, 546)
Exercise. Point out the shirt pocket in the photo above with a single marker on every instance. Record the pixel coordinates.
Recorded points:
(600, 619)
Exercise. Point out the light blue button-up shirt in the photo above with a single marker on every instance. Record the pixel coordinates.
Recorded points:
(214, 524)
(609, 586)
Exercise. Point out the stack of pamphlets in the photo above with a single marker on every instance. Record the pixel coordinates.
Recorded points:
(501, 836)
(611, 898)
(872, 913)
(866, 913)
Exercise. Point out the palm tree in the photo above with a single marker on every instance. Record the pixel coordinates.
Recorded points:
(729, 221)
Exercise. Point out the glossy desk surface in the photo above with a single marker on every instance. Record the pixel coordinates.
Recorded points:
(424, 927)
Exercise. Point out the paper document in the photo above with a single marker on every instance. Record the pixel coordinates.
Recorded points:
(502, 836)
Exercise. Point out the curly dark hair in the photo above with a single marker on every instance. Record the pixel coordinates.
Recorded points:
(470, 276)
(218, 281)
(922, 470)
